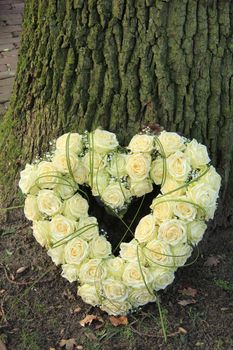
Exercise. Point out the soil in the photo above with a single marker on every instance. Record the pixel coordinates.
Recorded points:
(39, 308)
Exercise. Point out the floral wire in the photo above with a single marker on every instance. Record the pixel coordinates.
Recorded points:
(119, 181)
(68, 157)
(164, 175)
(12, 208)
(82, 229)
(141, 272)
(161, 317)
(181, 201)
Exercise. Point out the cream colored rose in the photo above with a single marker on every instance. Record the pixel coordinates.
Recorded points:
(197, 154)
(178, 166)
(162, 208)
(136, 277)
(140, 296)
(76, 250)
(98, 182)
(171, 142)
(92, 271)
(81, 173)
(196, 230)
(49, 203)
(76, 207)
(138, 166)
(117, 165)
(47, 175)
(212, 178)
(141, 143)
(74, 142)
(88, 228)
(104, 141)
(139, 188)
(131, 251)
(146, 230)
(31, 209)
(184, 210)
(100, 247)
(61, 227)
(28, 178)
(94, 161)
(115, 267)
(157, 170)
(57, 255)
(115, 195)
(89, 294)
(66, 187)
(60, 162)
(114, 290)
(158, 253)
(42, 233)
(173, 231)
(162, 277)
(181, 252)
(115, 308)
(70, 272)
(203, 195)
(173, 186)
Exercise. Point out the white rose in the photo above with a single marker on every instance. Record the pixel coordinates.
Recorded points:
(197, 154)
(42, 233)
(184, 210)
(81, 173)
(89, 294)
(100, 247)
(70, 272)
(141, 143)
(173, 231)
(57, 255)
(138, 166)
(61, 164)
(203, 195)
(47, 175)
(94, 161)
(98, 182)
(212, 178)
(146, 230)
(157, 170)
(115, 308)
(178, 166)
(196, 230)
(139, 188)
(181, 252)
(136, 277)
(115, 195)
(31, 209)
(76, 250)
(115, 267)
(74, 143)
(104, 141)
(140, 296)
(171, 142)
(117, 165)
(92, 271)
(49, 203)
(114, 290)
(158, 253)
(76, 207)
(131, 251)
(173, 186)
(61, 227)
(28, 178)
(162, 277)
(162, 209)
(89, 226)
(66, 187)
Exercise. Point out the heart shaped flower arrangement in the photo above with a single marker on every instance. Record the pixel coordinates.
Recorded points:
(57, 203)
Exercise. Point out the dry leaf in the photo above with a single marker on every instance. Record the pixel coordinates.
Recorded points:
(79, 347)
(2, 346)
(118, 321)
(191, 292)
(212, 261)
(89, 319)
(68, 343)
(186, 302)
(182, 330)
(76, 310)
(21, 269)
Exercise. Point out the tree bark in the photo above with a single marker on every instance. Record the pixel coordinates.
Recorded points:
(120, 64)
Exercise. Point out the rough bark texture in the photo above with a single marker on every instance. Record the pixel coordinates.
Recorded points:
(118, 64)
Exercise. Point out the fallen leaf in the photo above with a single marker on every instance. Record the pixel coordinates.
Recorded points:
(212, 261)
(79, 347)
(118, 321)
(75, 310)
(21, 269)
(68, 343)
(191, 292)
(2, 346)
(186, 302)
(89, 319)
(182, 330)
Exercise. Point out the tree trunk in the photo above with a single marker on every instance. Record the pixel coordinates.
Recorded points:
(120, 64)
